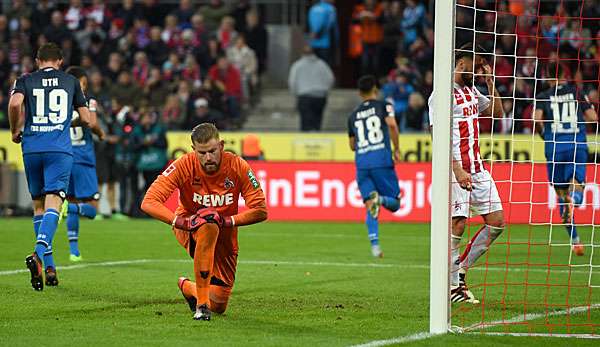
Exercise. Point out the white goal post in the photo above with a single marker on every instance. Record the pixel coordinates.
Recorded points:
(443, 62)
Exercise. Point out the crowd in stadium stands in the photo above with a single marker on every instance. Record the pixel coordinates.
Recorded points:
(202, 61)
(394, 40)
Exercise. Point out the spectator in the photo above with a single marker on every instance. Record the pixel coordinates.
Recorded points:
(5, 66)
(4, 124)
(239, 13)
(173, 114)
(397, 92)
(57, 31)
(156, 89)
(257, 39)
(310, 80)
(4, 34)
(114, 67)
(74, 15)
(199, 30)
(184, 13)
(84, 37)
(391, 18)
(71, 52)
(416, 113)
(17, 11)
(172, 67)
(227, 78)
(99, 13)
(187, 44)
(127, 47)
(150, 144)
(127, 12)
(142, 32)
(107, 167)
(42, 12)
(202, 113)
(125, 91)
(98, 51)
(153, 11)
(369, 16)
(141, 68)
(127, 174)
(156, 49)
(226, 33)
(207, 55)
(99, 90)
(171, 34)
(116, 29)
(191, 72)
(412, 20)
(323, 27)
(213, 13)
(186, 100)
(244, 59)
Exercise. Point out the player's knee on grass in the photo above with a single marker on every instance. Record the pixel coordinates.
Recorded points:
(219, 297)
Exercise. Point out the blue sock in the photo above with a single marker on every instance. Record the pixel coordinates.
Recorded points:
(83, 209)
(46, 232)
(572, 231)
(37, 220)
(48, 258)
(73, 232)
(577, 197)
(391, 204)
(373, 229)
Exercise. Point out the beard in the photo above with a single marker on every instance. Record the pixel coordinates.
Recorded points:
(467, 79)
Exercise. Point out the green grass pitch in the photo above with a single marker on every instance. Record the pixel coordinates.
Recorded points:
(298, 284)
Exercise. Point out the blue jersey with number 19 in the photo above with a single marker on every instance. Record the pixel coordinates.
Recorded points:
(564, 125)
(372, 139)
(50, 97)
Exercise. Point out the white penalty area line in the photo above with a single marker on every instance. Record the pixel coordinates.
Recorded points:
(482, 326)
(292, 263)
(252, 262)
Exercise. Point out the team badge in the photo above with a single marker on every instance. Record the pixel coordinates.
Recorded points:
(228, 183)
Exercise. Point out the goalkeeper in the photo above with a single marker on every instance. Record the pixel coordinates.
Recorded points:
(560, 120)
(210, 182)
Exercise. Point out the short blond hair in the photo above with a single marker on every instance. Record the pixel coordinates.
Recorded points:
(204, 132)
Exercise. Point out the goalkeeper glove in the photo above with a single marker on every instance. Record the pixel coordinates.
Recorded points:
(212, 216)
(189, 223)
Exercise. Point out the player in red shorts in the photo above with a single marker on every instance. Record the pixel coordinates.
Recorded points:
(210, 182)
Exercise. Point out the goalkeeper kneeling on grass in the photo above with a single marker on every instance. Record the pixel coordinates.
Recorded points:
(210, 182)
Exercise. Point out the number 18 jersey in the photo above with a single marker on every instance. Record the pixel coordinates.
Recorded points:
(50, 97)
(372, 139)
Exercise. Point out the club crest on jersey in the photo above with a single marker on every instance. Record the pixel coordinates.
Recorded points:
(228, 183)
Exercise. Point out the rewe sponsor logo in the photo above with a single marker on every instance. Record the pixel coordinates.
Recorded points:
(213, 200)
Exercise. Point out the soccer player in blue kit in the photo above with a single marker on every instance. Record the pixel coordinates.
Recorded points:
(49, 96)
(83, 185)
(371, 126)
(560, 119)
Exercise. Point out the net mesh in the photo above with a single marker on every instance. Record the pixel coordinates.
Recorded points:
(531, 281)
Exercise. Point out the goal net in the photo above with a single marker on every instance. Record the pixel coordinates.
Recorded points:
(537, 277)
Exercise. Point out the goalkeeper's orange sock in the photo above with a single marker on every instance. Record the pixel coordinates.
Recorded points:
(206, 240)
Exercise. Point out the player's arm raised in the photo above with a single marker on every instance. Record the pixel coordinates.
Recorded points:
(390, 120)
(95, 125)
(495, 101)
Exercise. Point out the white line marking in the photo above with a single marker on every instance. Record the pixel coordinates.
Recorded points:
(531, 316)
(292, 263)
(578, 336)
(403, 339)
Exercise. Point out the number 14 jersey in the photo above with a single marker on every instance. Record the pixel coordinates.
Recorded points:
(371, 135)
(50, 97)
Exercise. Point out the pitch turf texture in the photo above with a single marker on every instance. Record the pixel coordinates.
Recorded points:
(297, 284)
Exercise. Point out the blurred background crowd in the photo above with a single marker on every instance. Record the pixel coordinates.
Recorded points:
(156, 66)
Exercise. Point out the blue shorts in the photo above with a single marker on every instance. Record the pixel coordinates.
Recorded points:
(83, 184)
(47, 173)
(382, 179)
(565, 165)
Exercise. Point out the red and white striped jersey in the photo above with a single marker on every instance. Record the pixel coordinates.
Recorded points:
(467, 104)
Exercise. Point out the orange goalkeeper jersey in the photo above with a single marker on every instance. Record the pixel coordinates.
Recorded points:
(198, 189)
